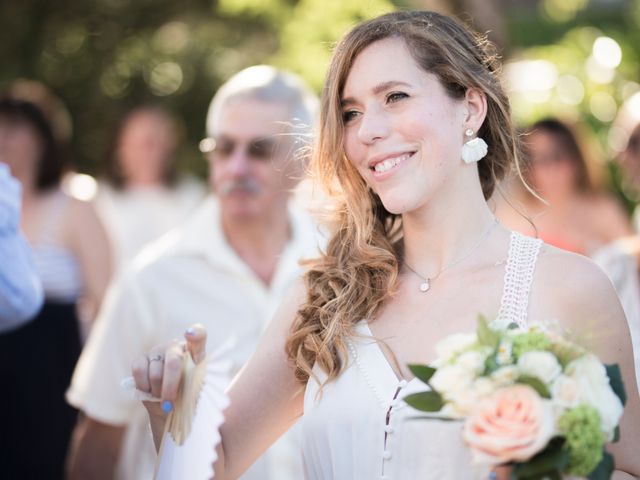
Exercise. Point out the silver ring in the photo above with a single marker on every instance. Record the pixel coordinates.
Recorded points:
(156, 358)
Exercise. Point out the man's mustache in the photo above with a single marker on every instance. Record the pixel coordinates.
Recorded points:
(245, 185)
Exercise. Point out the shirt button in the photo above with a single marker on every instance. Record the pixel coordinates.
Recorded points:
(386, 455)
(388, 429)
(402, 384)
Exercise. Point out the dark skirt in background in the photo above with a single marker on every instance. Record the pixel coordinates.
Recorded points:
(36, 364)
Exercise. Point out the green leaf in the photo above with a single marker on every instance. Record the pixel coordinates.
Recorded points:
(548, 463)
(604, 469)
(425, 401)
(491, 364)
(486, 336)
(536, 384)
(615, 380)
(433, 417)
(513, 326)
(423, 372)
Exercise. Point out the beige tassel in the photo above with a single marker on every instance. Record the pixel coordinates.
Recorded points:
(180, 419)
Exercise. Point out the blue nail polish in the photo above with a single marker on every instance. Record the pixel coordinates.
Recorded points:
(191, 331)
(167, 406)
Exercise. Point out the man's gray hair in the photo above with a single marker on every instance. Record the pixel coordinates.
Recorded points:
(268, 84)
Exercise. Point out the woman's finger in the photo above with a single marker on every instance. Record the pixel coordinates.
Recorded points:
(173, 371)
(156, 370)
(196, 336)
(140, 372)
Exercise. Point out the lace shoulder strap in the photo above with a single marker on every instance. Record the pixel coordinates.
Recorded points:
(521, 263)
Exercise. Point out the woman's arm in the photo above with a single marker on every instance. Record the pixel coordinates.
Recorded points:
(573, 290)
(87, 238)
(266, 399)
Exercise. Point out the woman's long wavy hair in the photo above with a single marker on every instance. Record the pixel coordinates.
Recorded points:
(358, 272)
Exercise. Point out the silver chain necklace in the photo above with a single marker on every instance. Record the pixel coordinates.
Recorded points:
(426, 281)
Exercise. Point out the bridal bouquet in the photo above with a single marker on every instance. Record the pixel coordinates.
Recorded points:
(528, 398)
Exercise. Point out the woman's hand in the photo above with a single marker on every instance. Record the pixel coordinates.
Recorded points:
(159, 373)
(501, 473)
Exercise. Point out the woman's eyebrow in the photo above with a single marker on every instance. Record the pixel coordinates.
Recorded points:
(376, 90)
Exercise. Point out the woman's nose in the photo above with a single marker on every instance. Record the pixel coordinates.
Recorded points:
(372, 126)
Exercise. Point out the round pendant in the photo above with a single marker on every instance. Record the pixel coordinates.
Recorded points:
(424, 286)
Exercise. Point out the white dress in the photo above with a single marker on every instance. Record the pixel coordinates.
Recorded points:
(359, 427)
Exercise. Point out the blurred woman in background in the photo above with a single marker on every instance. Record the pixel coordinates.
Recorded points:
(578, 216)
(141, 196)
(73, 260)
(629, 160)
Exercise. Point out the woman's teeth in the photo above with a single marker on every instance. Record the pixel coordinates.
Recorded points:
(389, 163)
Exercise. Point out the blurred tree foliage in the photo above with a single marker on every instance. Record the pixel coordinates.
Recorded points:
(587, 72)
(104, 56)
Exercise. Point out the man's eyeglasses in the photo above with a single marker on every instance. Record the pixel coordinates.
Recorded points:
(263, 148)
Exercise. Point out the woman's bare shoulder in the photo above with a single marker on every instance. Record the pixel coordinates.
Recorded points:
(572, 288)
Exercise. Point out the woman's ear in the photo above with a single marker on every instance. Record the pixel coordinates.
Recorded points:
(476, 111)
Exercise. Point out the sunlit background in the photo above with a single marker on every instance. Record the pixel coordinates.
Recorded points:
(574, 58)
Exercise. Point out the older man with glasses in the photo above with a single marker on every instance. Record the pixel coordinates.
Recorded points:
(227, 268)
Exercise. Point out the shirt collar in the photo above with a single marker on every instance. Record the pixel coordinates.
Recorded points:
(202, 235)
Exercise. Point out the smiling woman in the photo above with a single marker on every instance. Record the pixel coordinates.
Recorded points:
(407, 95)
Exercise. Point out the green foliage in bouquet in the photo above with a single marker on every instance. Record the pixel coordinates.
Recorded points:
(584, 439)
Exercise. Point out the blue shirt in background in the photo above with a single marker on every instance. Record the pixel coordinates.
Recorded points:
(21, 293)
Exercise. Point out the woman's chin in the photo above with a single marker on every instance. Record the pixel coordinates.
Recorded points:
(395, 207)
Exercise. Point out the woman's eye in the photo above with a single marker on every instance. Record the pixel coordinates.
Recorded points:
(395, 96)
(349, 115)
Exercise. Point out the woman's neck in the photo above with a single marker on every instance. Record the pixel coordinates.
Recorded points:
(436, 237)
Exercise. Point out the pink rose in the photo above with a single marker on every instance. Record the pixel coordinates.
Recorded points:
(512, 424)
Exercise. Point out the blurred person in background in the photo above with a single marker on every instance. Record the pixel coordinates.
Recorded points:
(141, 196)
(629, 160)
(20, 288)
(571, 210)
(227, 267)
(578, 216)
(72, 258)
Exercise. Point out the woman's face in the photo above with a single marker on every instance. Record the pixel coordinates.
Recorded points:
(403, 132)
(630, 158)
(552, 173)
(20, 146)
(145, 146)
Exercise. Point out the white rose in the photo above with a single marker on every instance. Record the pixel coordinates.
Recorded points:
(541, 365)
(450, 411)
(464, 400)
(595, 390)
(565, 392)
(505, 375)
(482, 387)
(450, 346)
(473, 361)
(451, 379)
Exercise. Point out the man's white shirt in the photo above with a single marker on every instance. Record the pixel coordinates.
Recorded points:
(190, 275)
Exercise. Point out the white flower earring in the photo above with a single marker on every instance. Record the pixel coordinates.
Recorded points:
(474, 149)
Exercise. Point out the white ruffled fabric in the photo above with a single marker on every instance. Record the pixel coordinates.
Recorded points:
(194, 459)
